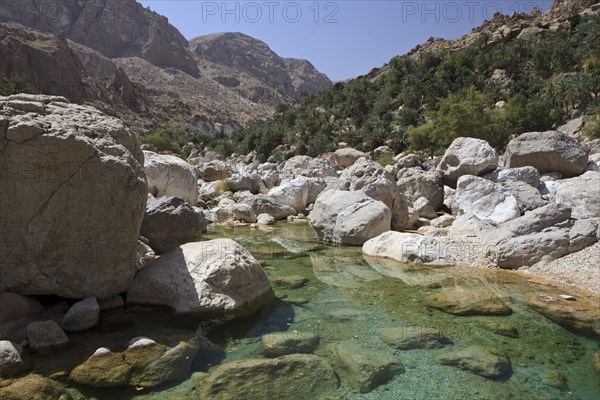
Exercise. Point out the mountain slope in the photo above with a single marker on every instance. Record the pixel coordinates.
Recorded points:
(130, 62)
(251, 56)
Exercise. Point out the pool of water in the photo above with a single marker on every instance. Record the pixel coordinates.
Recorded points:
(348, 297)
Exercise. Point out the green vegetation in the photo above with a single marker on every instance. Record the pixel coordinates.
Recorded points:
(492, 91)
(15, 84)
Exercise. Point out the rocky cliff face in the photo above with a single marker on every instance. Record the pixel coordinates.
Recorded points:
(251, 56)
(116, 28)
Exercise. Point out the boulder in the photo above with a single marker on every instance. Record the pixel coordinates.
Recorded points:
(548, 152)
(487, 200)
(527, 174)
(442, 221)
(243, 212)
(82, 316)
(11, 359)
(478, 360)
(265, 219)
(213, 171)
(244, 181)
(466, 156)
(72, 200)
(291, 377)
(415, 182)
(171, 176)
(14, 306)
(266, 205)
(346, 157)
(315, 187)
(528, 197)
(412, 337)
(383, 151)
(349, 217)
(582, 194)
(293, 193)
(144, 364)
(424, 208)
(363, 368)
(213, 277)
(170, 222)
(460, 301)
(278, 344)
(46, 337)
(372, 179)
(308, 167)
(144, 255)
(408, 248)
(34, 387)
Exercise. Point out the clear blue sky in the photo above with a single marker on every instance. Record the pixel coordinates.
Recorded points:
(343, 39)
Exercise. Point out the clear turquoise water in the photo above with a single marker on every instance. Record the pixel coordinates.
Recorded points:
(348, 297)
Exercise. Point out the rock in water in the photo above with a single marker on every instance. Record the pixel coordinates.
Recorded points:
(11, 361)
(72, 200)
(34, 387)
(81, 316)
(213, 277)
(548, 152)
(412, 337)
(46, 337)
(144, 363)
(467, 302)
(292, 377)
(363, 368)
(14, 306)
(478, 360)
(282, 343)
(171, 176)
(349, 217)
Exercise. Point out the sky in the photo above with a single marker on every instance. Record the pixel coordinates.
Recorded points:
(343, 39)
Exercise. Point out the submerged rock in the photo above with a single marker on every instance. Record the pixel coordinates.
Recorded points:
(581, 315)
(278, 344)
(467, 302)
(213, 277)
(291, 281)
(596, 361)
(365, 369)
(412, 337)
(291, 377)
(478, 360)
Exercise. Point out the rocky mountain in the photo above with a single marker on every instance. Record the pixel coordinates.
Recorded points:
(130, 62)
(246, 54)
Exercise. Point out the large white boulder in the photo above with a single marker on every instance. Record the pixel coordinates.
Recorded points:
(371, 178)
(467, 156)
(548, 152)
(582, 194)
(349, 217)
(72, 200)
(213, 277)
(293, 193)
(408, 248)
(171, 176)
(487, 200)
(346, 157)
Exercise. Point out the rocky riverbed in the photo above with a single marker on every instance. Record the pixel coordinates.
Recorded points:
(131, 274)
